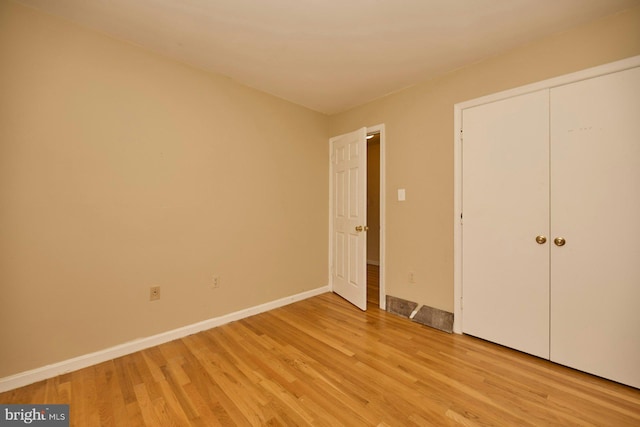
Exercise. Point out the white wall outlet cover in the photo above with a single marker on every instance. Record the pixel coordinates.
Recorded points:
(401, 194)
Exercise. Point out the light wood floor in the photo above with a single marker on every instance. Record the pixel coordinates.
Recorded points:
(373, 286)
(323, 362)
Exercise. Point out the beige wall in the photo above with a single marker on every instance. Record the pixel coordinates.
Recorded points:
(119, 170)
(419, 145)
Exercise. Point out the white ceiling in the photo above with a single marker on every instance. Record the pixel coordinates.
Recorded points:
(330, 55)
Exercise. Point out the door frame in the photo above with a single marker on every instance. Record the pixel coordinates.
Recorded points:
(380, 128)
(588, 73)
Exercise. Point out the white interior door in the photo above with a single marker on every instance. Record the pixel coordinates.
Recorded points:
(348, 216)
(595, 202)
(505, 205)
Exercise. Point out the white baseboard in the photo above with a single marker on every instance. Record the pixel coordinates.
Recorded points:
(373, 262)
(29, 377)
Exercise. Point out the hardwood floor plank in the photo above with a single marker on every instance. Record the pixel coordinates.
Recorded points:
(236, 402)
(323, 362)
(144, 403)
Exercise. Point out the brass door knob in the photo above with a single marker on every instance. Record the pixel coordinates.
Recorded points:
(541, 240)
(559, 241)
(359, 228)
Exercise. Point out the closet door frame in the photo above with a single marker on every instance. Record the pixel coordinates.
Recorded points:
(458, 141)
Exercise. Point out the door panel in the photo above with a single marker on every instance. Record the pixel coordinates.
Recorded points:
(595, 202)
(505, 205)
(349, 175)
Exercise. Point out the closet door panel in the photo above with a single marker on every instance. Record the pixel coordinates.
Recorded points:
(505, 204)
(595, 207)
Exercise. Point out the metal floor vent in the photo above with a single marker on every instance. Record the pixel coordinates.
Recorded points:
(428, 316)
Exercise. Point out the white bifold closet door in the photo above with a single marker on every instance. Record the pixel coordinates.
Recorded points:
(551, 224)
(505, 191)
(595, 207)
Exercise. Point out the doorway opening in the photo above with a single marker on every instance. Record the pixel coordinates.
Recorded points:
(357, 211)
(373, 220)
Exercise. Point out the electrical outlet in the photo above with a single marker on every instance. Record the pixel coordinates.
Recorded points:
(215, 282)
(412, 277)
(154, 293)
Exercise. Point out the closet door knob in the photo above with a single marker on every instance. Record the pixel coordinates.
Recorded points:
(541, 240)
(559, 241)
